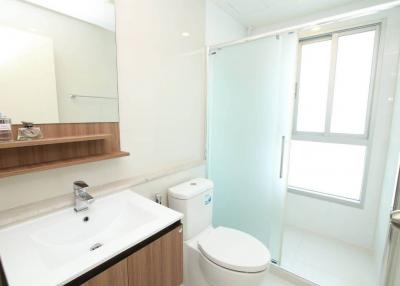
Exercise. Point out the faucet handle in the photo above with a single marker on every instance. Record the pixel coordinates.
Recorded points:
(80, 185)
(86, 197)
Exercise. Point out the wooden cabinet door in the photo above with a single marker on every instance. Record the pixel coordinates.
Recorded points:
(116, 275)
(172, 258)
(160, 263)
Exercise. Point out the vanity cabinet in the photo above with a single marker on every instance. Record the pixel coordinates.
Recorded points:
(160, 263)
(157, 263)
(116, 275)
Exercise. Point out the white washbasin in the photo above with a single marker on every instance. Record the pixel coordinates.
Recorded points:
(66, 236)
(55, 249)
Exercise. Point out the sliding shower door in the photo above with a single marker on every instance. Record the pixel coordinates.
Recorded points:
(251, 90)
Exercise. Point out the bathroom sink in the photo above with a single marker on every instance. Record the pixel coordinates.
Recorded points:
(61, 246)
(66, 236)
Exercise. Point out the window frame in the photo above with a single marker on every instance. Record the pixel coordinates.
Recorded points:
(340, 138)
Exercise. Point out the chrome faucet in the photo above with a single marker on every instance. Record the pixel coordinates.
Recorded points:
(82, 198)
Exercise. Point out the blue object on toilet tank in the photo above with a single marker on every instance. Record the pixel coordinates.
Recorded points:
(207, 199)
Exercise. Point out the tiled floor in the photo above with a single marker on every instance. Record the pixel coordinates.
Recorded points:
(278, 276)
(326, 261)
(273, 280)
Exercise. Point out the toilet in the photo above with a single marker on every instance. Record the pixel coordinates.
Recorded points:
(218, 256)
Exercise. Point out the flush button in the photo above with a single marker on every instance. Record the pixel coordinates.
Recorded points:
(193, 184)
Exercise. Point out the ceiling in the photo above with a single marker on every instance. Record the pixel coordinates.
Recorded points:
(257, 13)
(97, 12)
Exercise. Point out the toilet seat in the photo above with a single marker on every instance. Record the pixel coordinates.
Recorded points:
(235, 250)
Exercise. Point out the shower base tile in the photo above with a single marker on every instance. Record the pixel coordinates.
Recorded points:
(326, 261)
(274, 280)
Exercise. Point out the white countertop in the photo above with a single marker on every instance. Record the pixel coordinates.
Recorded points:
(55, 249)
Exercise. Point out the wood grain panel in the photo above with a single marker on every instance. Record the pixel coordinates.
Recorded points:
(63, 145)
(116, 275)
(160, 263)
(59, 164)
(172, 257)
(145, 266)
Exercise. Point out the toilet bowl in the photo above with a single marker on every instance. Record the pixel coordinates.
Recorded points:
(216, 275)
(231, 257)
(215, 256)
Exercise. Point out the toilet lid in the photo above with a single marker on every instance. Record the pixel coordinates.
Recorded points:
(235, 250)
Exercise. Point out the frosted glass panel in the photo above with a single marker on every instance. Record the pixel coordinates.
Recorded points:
(334, 169)
(352, 82)
(250, 97)
(313, 86)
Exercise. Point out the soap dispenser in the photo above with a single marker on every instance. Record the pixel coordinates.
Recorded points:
(5, 128)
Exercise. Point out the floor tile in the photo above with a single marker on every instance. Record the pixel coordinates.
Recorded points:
(273, 280)
(326, 261)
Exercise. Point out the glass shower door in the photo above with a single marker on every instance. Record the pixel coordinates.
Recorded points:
(251, 91)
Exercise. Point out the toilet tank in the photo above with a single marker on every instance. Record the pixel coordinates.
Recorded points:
(195, 200)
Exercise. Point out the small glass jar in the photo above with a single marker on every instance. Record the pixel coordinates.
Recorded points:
(29, 132)
(5, 128)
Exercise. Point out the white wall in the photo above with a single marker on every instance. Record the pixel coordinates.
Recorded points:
(85, 60)
(357, 225)
(27, 57)
(220, 26)
(162, 101)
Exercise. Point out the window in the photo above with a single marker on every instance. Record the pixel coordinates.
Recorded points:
(332, 114)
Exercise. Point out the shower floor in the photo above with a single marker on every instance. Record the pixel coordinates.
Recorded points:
(326, 261)
(274, 280)
(277, 276)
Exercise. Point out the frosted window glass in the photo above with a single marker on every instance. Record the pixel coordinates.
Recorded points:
(313, 86)
(334, 169)
(352, 83)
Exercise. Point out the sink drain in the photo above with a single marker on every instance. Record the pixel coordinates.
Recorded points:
(96, 246)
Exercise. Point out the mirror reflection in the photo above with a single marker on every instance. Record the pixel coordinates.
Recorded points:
(58, 61)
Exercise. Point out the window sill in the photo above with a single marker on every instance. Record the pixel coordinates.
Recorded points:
(326, 197)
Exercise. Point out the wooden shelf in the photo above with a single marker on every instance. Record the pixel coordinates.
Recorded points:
(66, 144)
(50, 141)
(7, 172)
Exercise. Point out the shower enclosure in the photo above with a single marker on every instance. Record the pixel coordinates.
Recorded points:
(251, 93)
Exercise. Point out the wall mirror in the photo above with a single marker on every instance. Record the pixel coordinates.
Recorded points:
(58, 61)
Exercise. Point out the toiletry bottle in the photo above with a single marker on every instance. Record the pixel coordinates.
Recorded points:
(5, 128)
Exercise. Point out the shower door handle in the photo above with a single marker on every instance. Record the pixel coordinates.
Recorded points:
(395, 219)
(282, 156)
